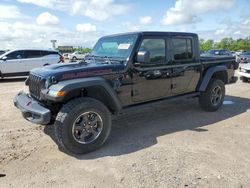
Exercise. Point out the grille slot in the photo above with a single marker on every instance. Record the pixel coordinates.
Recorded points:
(36, 83)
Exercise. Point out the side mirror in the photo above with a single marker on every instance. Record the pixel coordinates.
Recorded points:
(143, 57)
(4, 58)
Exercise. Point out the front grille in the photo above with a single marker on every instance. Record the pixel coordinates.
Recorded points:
(36, 83)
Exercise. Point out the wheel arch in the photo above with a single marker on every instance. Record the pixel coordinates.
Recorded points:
(218, 72)
(96, 87)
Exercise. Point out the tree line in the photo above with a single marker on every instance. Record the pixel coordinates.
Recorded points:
(226, 43)
(82, 49)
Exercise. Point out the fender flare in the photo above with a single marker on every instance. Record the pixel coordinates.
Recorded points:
(208, 75)
(113, 101)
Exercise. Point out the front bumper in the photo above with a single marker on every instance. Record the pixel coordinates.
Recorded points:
(31, 109)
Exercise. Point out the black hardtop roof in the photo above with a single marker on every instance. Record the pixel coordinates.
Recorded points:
(155, 33)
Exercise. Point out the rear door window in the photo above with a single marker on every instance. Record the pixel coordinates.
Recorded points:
(53, 53)
(44, 53)
(182, 48)
(32, 53)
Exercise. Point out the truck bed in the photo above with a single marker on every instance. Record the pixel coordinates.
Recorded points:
(217, 59)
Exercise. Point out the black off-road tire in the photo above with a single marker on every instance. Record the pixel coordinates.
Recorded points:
(205, 99)
(68, 115)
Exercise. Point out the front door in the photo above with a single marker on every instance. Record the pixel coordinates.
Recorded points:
(185, 69)
(14, 63)
(152, 80)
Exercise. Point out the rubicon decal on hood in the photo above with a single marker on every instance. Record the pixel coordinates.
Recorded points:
(85, 74)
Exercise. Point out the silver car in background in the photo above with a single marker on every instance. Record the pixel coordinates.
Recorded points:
(244, 72)
(216, 53)
(244, 57)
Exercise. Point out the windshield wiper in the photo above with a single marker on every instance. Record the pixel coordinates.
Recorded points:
(109, 59)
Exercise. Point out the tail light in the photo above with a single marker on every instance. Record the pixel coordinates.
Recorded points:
(61, 59)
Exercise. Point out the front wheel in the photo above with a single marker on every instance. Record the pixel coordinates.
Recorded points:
(213, 97)
(82, 125)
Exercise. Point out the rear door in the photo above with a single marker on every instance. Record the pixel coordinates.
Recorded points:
(14, 63)
(33, 59)
(52, 57)
(185, 68)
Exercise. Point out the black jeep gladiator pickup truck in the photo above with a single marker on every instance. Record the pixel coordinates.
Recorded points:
(122, 70)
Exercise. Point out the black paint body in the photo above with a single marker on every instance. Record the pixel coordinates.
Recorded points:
(129, 81)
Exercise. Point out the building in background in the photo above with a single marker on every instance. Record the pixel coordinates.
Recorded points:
(65, 49)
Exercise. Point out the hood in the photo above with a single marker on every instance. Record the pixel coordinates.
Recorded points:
(66, 71)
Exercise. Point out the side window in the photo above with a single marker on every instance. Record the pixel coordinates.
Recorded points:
(156, 49)
(182, 48)
(15, 55)
(54, 53)
(44, 53)
(32, 53)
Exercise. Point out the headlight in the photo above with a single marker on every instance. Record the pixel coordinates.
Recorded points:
(57, 93)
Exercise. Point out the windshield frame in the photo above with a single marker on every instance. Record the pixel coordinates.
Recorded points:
(131, 52)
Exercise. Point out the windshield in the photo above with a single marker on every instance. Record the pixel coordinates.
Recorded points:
(115, 47)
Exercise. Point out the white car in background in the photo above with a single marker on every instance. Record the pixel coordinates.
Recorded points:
(20, 62)
(244, 72)
(77, 55)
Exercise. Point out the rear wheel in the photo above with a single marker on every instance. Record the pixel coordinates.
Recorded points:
(213, 97)
(82, 125)
(74, 58)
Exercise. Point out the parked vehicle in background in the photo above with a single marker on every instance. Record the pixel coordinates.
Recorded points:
(122, 70)
(238, 52)
(244, 57)
(244, 72)
(77, 55)
(2, 52)
(66, 55)
(20, 62)
(216, 53)
(202, 52)
(233, 53)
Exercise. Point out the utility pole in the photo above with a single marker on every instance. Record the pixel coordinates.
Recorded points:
(53, 43)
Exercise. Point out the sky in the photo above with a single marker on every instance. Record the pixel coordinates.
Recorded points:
(34, 23)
